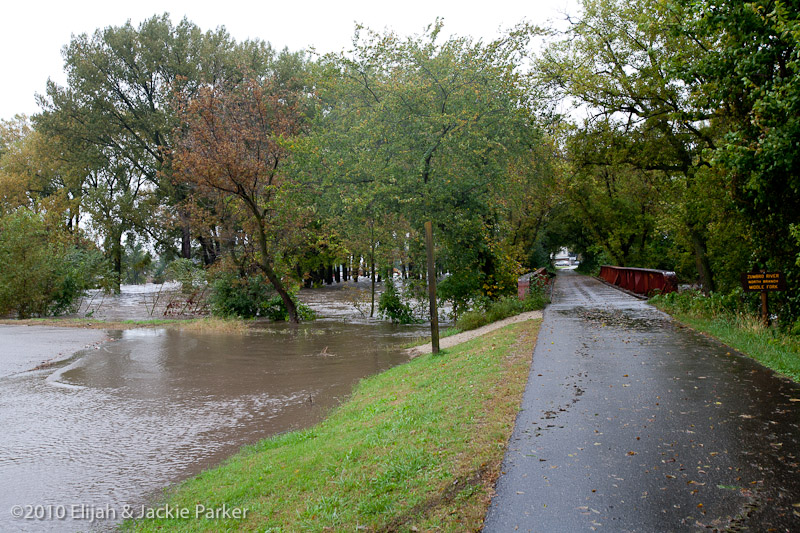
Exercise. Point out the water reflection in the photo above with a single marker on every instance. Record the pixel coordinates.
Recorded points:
(155, 406)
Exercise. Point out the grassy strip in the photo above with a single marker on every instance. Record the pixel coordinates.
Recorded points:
(417, 447)
(746, 334)
(492, 311)
(207, 324)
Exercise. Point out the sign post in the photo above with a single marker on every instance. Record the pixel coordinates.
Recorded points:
(764, 282)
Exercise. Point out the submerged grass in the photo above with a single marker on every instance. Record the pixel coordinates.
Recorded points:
(417, 448)
(197, 325)
(92, 323)
(744, 332)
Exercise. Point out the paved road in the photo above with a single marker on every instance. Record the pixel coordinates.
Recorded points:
(631, 422)
(24, 347)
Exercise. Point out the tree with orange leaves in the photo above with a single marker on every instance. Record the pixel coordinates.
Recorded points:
(233, 145)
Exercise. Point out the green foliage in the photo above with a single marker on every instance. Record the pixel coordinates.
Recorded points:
(480, 263)
(79, 270)
(137, 262)
(426, 128)
(752, 76)
(487, 311)
(712, 305)
(187, 273)
(43, 273)
(392, 306)
(640, 185)
(250, 297)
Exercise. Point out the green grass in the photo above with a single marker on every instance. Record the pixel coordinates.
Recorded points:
(537, 298)
(418, 341)
(743, 332)
(417, 447)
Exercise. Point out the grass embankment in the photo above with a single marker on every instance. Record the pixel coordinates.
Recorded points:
(492, 311)
(740, 330)
(417, 447)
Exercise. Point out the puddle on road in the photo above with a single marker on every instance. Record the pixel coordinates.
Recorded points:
(158, 405)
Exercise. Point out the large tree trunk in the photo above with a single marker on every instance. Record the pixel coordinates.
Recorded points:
(116, 259)
(701, 261)
(186, 237)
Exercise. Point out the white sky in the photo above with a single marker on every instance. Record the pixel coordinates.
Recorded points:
(32, 33)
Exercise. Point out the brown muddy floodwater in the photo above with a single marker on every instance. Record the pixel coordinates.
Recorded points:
(115, 425)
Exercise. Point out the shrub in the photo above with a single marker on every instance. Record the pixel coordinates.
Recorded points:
(78, 271)
(43, 273)
(250, 297)
(488, 311)
(392, 306)
(187, 273)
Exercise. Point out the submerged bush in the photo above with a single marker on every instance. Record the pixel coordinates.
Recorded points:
(392, 306)
(187, 273)
(250, 297)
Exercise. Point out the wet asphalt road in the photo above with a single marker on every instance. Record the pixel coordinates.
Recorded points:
(631, 422)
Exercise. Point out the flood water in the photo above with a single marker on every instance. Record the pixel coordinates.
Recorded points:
(117, 424)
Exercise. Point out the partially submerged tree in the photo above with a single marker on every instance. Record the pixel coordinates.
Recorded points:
(233, 145)
(426, 123)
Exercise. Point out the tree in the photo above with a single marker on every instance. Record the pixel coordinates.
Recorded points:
(44, 269)
(234, 144)
(116, 116)
(622, 62)
(426, 124)
(749, 75)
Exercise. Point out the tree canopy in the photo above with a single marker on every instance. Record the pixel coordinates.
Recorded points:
(678, 150)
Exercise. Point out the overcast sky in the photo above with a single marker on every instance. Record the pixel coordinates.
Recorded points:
(32, 33)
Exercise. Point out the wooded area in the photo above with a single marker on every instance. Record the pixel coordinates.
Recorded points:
(680, 151)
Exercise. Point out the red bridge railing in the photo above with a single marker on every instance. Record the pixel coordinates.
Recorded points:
(536, 277)
(640, 280)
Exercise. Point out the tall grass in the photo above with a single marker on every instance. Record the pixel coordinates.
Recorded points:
(492, 311)
(728, 320)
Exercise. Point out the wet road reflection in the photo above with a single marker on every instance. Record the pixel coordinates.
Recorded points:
(634, 423)
(116, 425)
